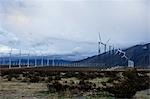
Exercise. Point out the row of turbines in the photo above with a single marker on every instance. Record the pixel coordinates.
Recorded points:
(106, 47)
(48, 61)
(28, 55)
(102, 48)
(112, 50)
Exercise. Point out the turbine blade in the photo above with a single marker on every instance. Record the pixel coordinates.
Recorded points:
(102, 43)
(108, 41)
(100, 37)
(116, 52)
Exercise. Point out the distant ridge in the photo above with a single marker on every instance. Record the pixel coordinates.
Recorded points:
(140, 54)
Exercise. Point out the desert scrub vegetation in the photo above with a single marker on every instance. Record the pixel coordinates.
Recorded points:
(128, 84)
(80, 89)
(122, 84)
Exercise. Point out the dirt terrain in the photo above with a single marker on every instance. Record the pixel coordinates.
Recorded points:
(84, 83)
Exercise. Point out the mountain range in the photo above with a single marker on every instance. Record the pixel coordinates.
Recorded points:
(76, 52)
(139, 54)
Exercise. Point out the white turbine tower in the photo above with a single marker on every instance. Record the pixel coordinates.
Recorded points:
(28, 64)
(53, 61)
(20, 59)
(42, 60)
(110, 49)
(113, 49)
(99, 44)
(106, 45)
(32, 53)
(47, 61)
(35, 62)
(35, 57)
(2, 58)
(10, 54)
(47, 57)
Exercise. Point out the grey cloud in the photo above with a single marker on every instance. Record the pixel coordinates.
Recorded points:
(126, 22)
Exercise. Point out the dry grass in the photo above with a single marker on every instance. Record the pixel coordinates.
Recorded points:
(17, 90)
(102, 79)
(69, 80)
(145, 94)
(98, 81)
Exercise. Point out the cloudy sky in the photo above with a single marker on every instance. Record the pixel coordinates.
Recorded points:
(73, 25)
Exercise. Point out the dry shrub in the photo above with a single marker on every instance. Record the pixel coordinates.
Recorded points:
(127, 87)
(34, 79)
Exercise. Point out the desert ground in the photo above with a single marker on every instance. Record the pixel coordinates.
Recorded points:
(32, 84)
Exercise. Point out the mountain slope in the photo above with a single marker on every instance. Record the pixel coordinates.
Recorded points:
(140, 54)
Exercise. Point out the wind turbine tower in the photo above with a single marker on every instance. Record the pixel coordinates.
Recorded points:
(42, 58)
(28, 59)
(99, 44)
(105, 45)
(20, 59)
(10, 54)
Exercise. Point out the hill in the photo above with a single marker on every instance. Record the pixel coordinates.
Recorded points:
(140, 54)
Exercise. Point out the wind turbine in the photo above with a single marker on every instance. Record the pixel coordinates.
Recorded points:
(130, 62)
(110, 50)
(113, 49)
(106, 45)
(47, 56)
(99, 44)
(1, 59)
(10, 53)
(119, 51)
(53, 61)
(35, 60)
(20, 59)
(124, 56)
(47, 61)
(32, 53)
(42, 61)
(28, 64)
